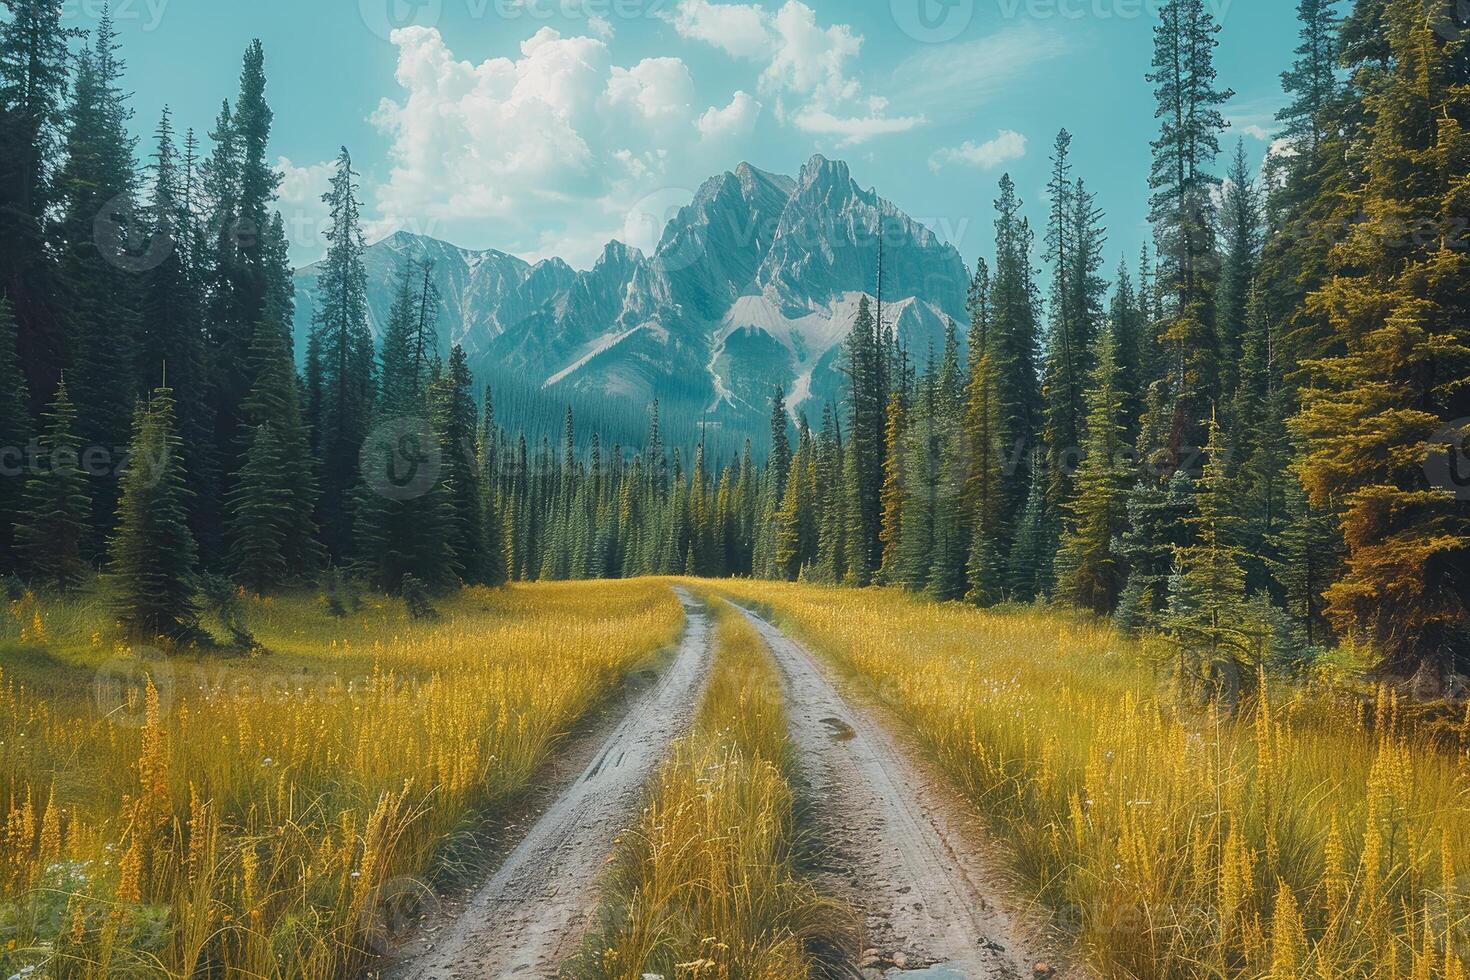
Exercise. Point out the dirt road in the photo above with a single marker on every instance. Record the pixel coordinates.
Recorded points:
(893, 841)
(532, 913)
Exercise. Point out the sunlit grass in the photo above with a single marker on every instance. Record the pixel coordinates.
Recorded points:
(1319, 835)
(705, 885)
(184, 814)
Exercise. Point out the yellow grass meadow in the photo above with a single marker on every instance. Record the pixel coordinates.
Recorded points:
(188, 815)
(706, 885)
(263, 816)
(1321, 834)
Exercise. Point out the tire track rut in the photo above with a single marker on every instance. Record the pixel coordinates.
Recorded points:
(893, 841)
(535, 908)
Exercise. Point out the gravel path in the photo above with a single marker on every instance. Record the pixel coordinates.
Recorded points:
(532, 913)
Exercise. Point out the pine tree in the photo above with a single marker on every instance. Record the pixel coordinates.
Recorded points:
(1182, 207)
(985, 430)
(1129, 330)
(1309, 197)
(1190, 123)
(1015, 338)
(1155, 530)
(343, 350)
(773, 494)
(35, 59)
(1240, 220)
(257, 504)
(796, 528)
(947, 569)
(894, 434)
(171, 341)
(15, 433)
(152, 552)
(258, 181)
(1029, 561)
(247, 284)
(867, 398)
(97, 179)
(1089, 574)
(1309, 548)
(401, 513)
(496, 567)
(1261, 445)
(1206, 614)
(832, 553)
(1312, 79)
(51, 527)
(1074, 241)
(454, 423)
(1401, 329)
(921, 473)
(273, 402)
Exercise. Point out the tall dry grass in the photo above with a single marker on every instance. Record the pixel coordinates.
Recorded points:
(1322, 834)
(706, 884)
(180, 815)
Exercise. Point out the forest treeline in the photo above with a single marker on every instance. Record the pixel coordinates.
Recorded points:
(1248, 438)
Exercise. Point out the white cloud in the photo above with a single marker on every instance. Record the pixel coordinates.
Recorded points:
(853, 129)
(802, 62)
(959, 76)
(299, 200)
(600, 26)
(811, 60)
(470, 140)
(657, 88)
(736, 119)
(1007, 145)
(740, 30)
(543, 153)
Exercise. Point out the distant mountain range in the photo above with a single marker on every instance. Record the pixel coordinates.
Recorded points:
(755, 283)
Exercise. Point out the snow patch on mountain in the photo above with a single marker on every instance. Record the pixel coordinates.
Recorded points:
(598, 346)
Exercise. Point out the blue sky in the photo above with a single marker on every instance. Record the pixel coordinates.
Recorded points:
(546, 127)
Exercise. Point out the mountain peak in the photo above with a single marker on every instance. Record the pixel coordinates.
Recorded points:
(617, 253)
(820, 170)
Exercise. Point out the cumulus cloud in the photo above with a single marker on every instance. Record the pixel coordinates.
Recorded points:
(809, 59)
(737, 29)
(543, 153)
(656, 88)
(736, 119)
(807, 69)
(1007, 145)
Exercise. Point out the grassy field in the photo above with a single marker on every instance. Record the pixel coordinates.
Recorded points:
(267, 816)
(1319, 835)
(706, 884)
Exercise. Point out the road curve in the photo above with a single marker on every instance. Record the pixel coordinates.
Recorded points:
(892, 841)
(532, 913)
